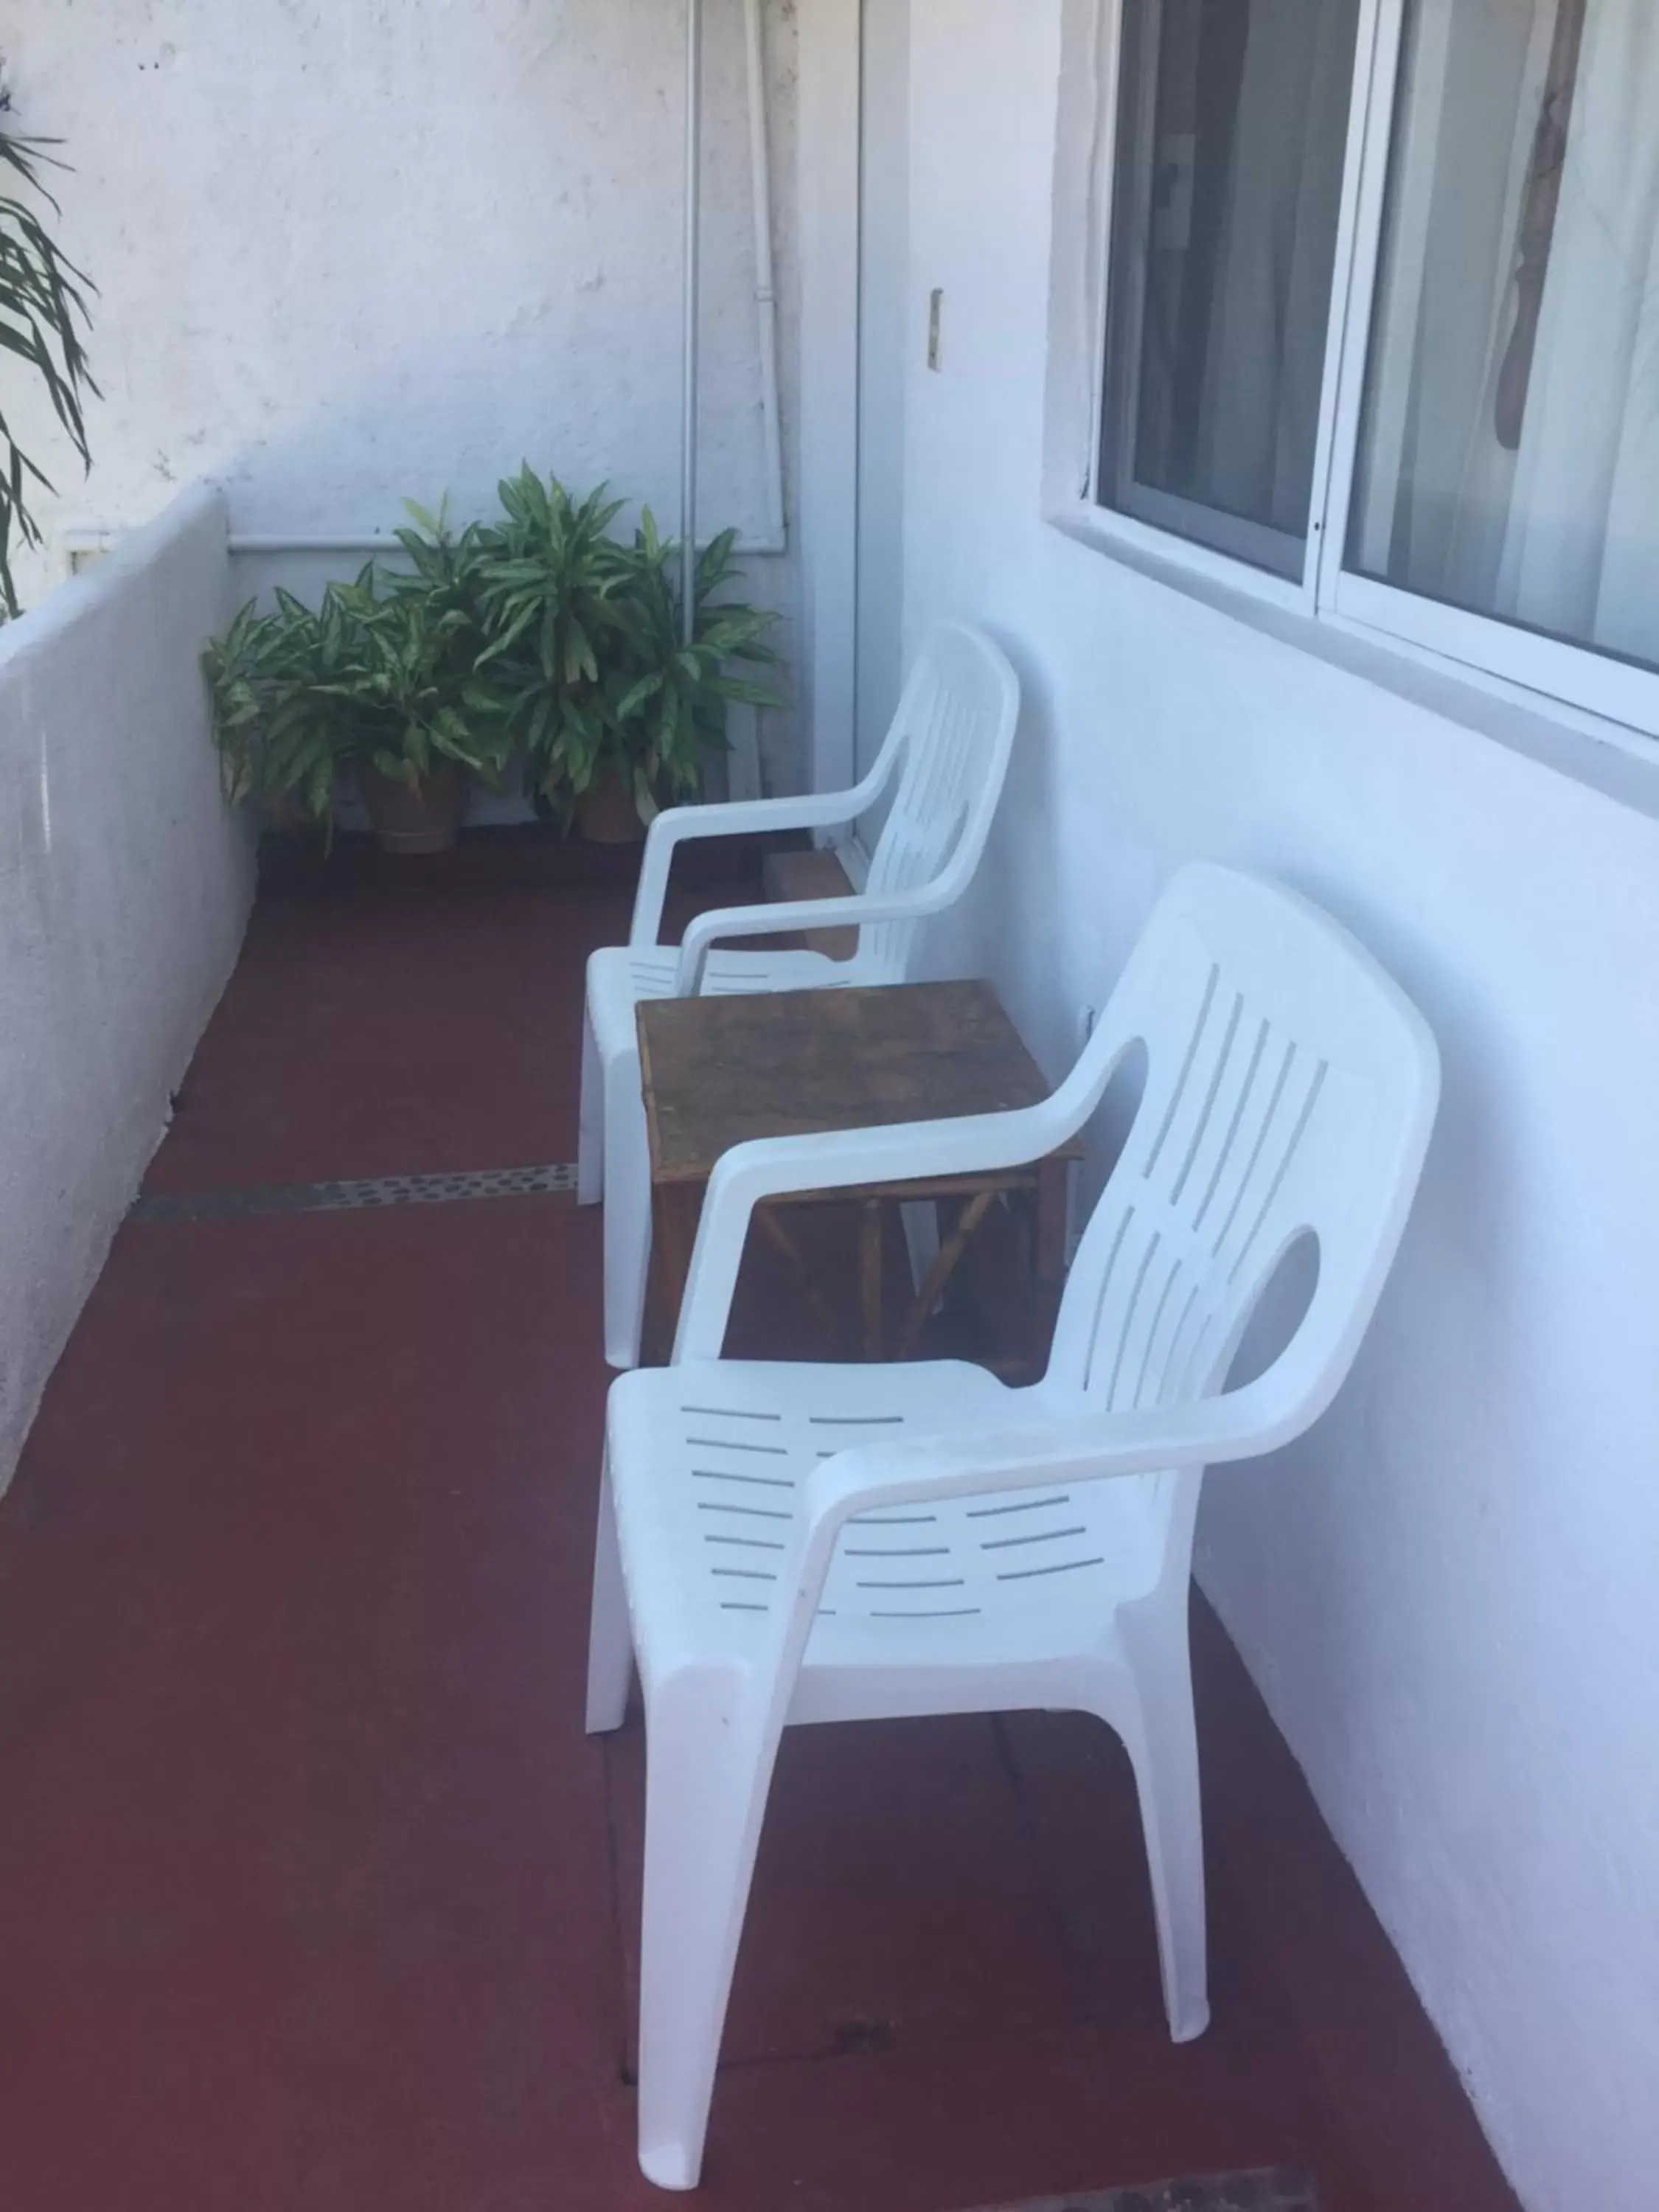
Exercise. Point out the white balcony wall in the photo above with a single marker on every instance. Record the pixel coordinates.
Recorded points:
(350, 254)
(1450, 1592)
(125, 885)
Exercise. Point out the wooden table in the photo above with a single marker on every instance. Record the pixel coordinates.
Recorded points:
(720, 1070)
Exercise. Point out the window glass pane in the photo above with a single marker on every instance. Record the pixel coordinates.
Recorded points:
(1510, 446)
(1231, 141)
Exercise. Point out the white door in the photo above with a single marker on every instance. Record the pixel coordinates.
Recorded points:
(885, 336)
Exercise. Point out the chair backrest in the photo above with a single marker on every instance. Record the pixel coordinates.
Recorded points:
(1290, 1089)
(948, 748)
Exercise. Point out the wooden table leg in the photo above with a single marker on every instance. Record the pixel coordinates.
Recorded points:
(675, 1209)
(872, 1218)
(969, 1219)
(1050, 1215)
(769, 1220)
(1053, 1184)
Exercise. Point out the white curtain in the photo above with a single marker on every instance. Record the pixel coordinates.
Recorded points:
(1562, 534)
(1581, 552)
(1436, 481)
(1267, 355)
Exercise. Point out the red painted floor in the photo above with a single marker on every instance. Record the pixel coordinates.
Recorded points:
(314, 1898)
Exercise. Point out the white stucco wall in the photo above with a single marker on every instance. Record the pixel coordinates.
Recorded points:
(124, 884)
(349, 254)
(1450, 1592)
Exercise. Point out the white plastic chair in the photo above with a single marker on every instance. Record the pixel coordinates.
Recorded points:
(789, 1543)
(948, 749)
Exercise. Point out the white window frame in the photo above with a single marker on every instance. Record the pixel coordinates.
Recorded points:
(1502, 658)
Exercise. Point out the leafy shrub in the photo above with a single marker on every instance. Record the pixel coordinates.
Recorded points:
(43, 313)
(538, 633)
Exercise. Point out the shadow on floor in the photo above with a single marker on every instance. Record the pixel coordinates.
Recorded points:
(316, 1898)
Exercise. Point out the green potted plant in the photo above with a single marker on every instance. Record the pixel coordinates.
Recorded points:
(539, 632)
(272, 744)
(667, 698)
(613, 711)
(427, 714)
(378, 681)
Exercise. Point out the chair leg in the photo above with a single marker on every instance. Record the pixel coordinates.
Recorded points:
(627, 1211)
(610, 1638)
(1163, 1745)
(590, 1141)
(707, 1769)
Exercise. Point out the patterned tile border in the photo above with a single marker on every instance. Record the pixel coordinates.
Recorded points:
(1276, 2189)
(351, 1196)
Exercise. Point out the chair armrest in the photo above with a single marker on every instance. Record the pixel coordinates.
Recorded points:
(1047, 1440)
(779, 1166)
(739, 817)
(787, 915)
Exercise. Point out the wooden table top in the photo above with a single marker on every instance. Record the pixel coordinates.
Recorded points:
(718, 1071)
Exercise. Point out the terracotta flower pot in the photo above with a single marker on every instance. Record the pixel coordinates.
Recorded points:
(606, 812)
(409, 821)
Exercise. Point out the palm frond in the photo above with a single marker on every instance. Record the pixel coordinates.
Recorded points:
(43, 314)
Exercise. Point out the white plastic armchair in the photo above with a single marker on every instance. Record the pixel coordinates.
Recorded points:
(783, 1544)
(943, 765)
